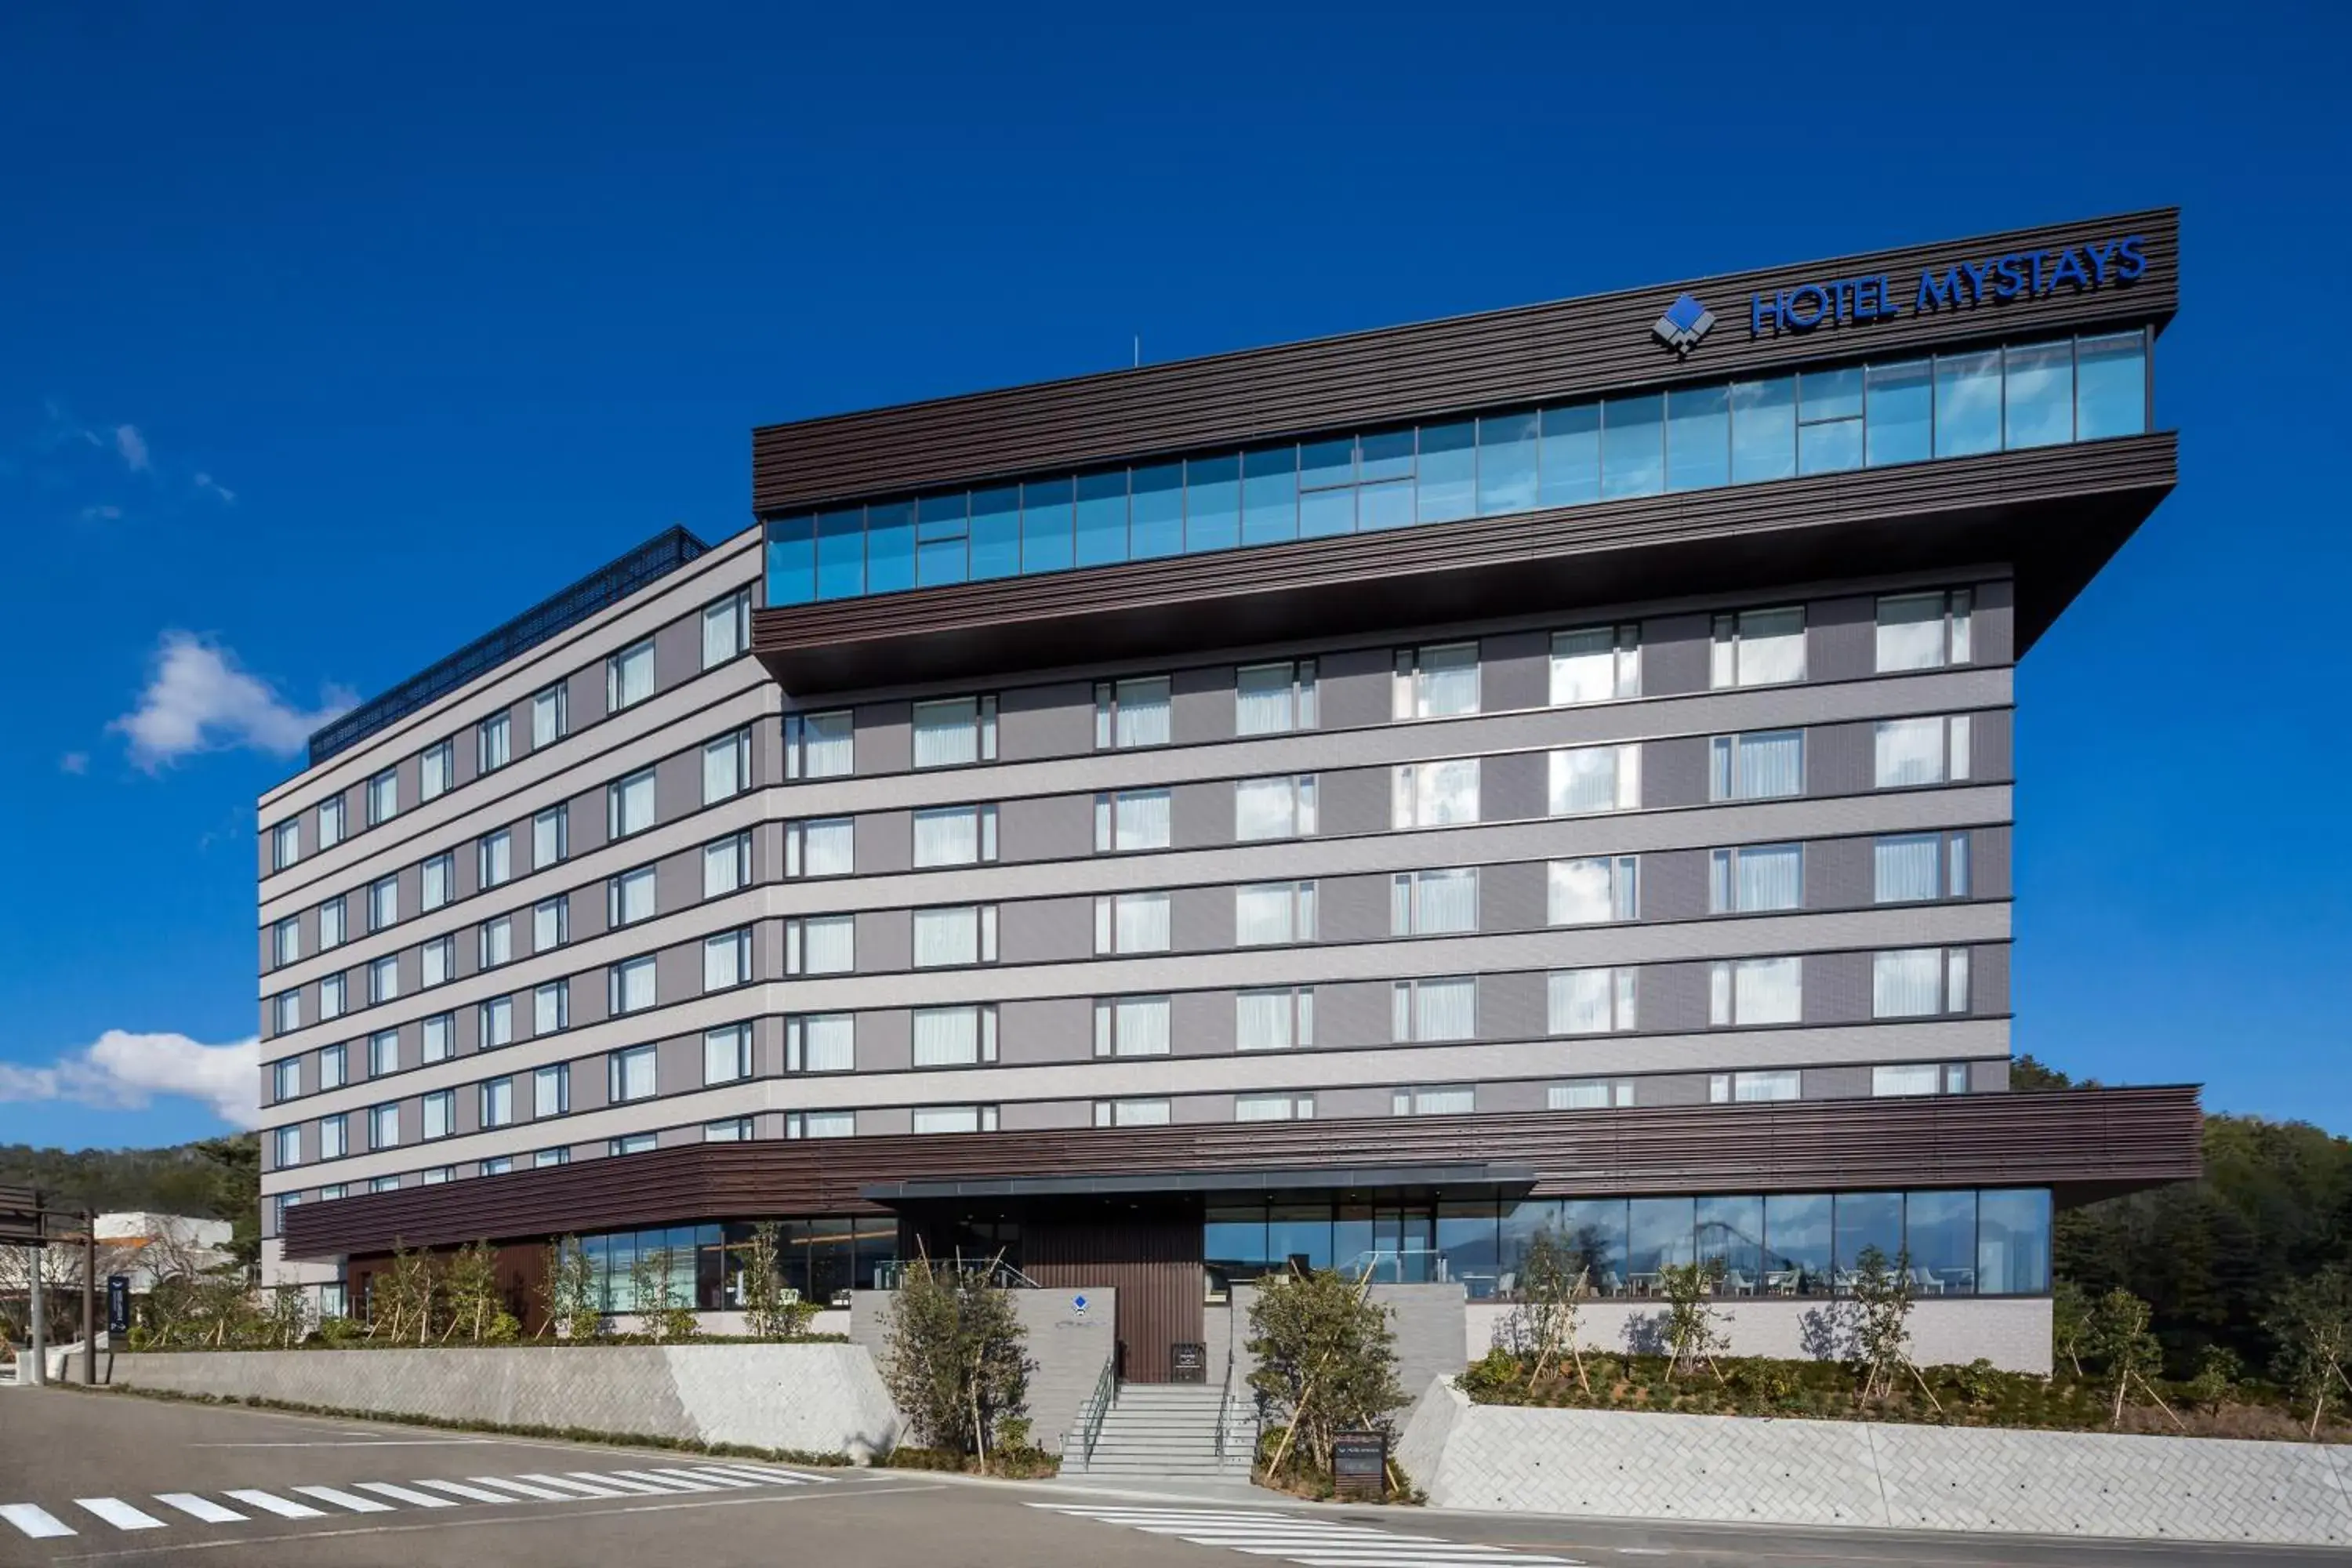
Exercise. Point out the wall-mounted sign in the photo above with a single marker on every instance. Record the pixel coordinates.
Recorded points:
(1959, 286)
(1078, 1305)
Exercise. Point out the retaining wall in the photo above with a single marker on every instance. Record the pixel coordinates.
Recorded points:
(1732, 1469)
(1067, 1347)
(2013, 1333)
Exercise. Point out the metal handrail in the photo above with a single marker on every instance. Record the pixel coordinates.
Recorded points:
(1105, 1394)
(1225, 1400)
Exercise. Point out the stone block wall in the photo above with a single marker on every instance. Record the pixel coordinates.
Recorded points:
(2012, 1333)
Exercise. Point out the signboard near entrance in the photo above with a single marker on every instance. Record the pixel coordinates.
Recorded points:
(118, 1303)
(1359, 1466)
(1188, 1362)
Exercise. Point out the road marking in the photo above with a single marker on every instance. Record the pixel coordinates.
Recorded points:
(471, 1494)
(1644, 1550)
(38, 1523)
(578, 1488)
(402, 1494)
(118, 1513)
(639, 1488)
(1309, 1542)
(341, 1499)
(668, 1483)
(528, 1491)
(711, 1478)
(795, 1477)
(361, 1443)
(279, 1506)
(204, 1509)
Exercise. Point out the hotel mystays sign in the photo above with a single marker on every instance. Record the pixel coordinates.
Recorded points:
(1960, 286)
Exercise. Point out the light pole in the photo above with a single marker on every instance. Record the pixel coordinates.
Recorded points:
(40, 1333)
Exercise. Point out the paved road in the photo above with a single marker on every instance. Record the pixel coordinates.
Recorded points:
(94, 1479)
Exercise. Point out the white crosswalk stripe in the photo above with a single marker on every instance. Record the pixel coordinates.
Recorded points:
(269, 1502)
(470, 1494)
(118, 1513)
(668, 1483)
(38, 1523)
(639, 1488)
(773, 1476)
(404, 1494)
(1307, 1541)
(512, 1484)
(574, 1485)
(198, 1508)
(739, 1482)
(342, 1498)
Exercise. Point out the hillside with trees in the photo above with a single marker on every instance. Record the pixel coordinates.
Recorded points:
(214, 1178)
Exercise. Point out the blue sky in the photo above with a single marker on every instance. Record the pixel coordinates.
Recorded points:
(324, 346)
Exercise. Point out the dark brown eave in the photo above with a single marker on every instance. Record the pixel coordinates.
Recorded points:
(2083, 1143)
(2056, 514)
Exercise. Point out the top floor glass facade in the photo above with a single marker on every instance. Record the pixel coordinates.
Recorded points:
(1831, 420)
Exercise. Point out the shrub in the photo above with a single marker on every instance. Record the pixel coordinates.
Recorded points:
(1326, 1361)
(954, 1359)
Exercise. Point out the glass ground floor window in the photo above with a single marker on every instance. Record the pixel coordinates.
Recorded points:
(705, 1265)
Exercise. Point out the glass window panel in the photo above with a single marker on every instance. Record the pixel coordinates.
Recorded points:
(1866, 1220)
(1448, 471)
(2038, 397)
(1829, 421)
(1796, 1238)
(1384, 457)
(1658, 1237)
(1232, 1241)
(1699, 438)
(995, 533)
(1908, 752)
(1968, 404)
(1384, 506)
(1907, 983)
(1632, 446)
(1323, 465)
(890, 547)
(1213, 504)
(1469, 1245)
(1763, 429)
(1902, 404)
(1910, 632)
(1270, 495)
(1904, 869)
(2013, 1243)
(2110, 386)
(943, 549)
(1102, 518)
(841, 554)
(1507, 449)
(1594, 1231)
(1299, 1230)
(792, 561)
(1731, 1234)
(1156, 514)
(1048, 519)
(1939, 1231)
(1569, 464)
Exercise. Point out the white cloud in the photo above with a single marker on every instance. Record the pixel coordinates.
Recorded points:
(75, 762)
(199, 701)
(226, 496)
(101, 513)
(123, 1071)
(133, 445)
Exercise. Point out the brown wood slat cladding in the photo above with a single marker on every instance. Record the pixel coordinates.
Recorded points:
(2055, 513)
(1152, 1259)
(2083, 1142)
(1530, 353)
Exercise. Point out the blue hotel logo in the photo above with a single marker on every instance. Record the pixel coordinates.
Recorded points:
(1684, 324)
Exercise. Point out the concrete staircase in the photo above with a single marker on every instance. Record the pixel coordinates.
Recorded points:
(1167, 1430)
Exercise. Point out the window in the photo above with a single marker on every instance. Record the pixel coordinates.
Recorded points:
(1131, 922)
(497, 1023)
(330, 1066)
(634, 1143)
(1435, 794)
(383, 1053)
(629, 677)
(494, 856)
(551, 1090)
(1910, 752)
(1593, 889)
(383, 797)
(1275, 699)
(551, 716)
(1912, 867)
(1266, 913)
(334, 1138)
(1130, 1113)
(1586, 779)
(284, 942)
(726, 866)
(1919, 982)
(955, 1119)
(1130, 820)
(1274, 808)
(725, 628)
(1755, 878)
(332, 826)
(726, 767)
(438, 960)
(498, 1165)
(383, 1183)
(727, 960)
(285, 844)
(1131, 1025)
(1278, 1018)
(1434, 903)
(821, 1124)
(1739, 1087)
(818, 745)
(1588, 1094)
(551, 1007)
(493, 743)
(1274, 1108)
(1924, 631)
(821, 1042)
(954, 1037)
(383, 1127)
(1763, 765)
(382, 902)
(828, 847)
(1589, 1001)
(1437, 682)
(953, 835)
(629, 804)
(954, 730)
(498, 941)
(1434, 1010)
(497, 1103)
(440, 1113)
(440, 1032)
(1131, 713)
(434, 772)
(551, 836)
(333, 928)
(1756, 991)
(289, 1150)
(1596, 664)
(734, 1130)
(384, 978)
(630, 985)
(821, 945)
(630, 1074)
(1459, 1100)
(551, 922)
(331, 995)
(1918, 1078)
(964, 935)
(629, 897)
(1758, 648)
(726, 1054)
(437, 881)
(286, 1078)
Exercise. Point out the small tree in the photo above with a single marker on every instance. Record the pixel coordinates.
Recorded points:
(2070, 1322)
(568, 1292)
(1694, 1332)
(1551, 1280)
(476, 1307)
(2311, 1322)
(771, 1311)
(286, 1320)
(401, 1304)
(664, 1311)
(954, 1358)
(2119, 1338)
(1326, 1360)
(1881, 1332)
